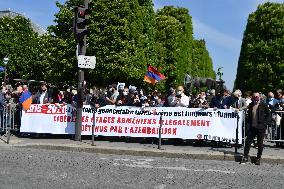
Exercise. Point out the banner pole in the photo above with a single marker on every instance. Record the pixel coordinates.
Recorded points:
(237, 134)
(160, 133)
(93, 128)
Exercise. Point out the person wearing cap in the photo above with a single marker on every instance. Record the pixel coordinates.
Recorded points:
(112, 94)
(42, 96)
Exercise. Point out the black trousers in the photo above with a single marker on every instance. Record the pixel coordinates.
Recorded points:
(2, 119)
(253, 132)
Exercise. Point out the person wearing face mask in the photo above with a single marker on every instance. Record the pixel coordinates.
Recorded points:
(271, 101)
(201, 101)
(42, 96)
(275, 104)
(237, 102)
(216, 101)
(123, 98)
(226, 99)
(181, 99)
(258, 118)
(113, 94)
(171, 99)
(247, 98)
(203, 97)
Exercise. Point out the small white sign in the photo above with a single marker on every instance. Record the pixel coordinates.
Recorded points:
(86, 61)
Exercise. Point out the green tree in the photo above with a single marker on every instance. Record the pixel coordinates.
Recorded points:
(202, 65)
(117, 40)
(261, 61)
(174, 43)
(61, 45)
(149, 23)
(23, 47)
(121, 37)
(168, 48)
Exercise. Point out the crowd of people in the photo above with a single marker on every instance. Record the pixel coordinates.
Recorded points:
(259, 107)
(133, 96)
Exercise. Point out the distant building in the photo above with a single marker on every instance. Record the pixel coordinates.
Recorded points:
(13, 14)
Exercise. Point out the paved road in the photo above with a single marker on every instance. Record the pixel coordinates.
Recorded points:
(33, 168)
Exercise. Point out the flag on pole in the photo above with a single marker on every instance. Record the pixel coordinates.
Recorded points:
(26, 100)
(153, 76)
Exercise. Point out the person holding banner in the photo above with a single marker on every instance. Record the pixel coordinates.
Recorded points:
(258, 118)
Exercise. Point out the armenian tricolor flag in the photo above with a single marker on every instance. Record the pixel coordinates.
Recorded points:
(153, 76)
(26, 100)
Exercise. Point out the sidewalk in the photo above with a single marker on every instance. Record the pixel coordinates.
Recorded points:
(270, 153)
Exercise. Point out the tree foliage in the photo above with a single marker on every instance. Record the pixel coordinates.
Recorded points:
(202, 65)
(178, 53)
(23, 47)
(125, 36)
(174, 43)
(121, 37)
(122, 40)
(261, 61)
(62, 46)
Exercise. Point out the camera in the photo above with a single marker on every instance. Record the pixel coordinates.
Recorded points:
(178, 95)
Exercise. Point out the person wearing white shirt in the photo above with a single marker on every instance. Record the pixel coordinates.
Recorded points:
(42, 95)
(181, 99)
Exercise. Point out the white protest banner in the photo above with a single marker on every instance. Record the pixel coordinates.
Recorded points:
(178, 122)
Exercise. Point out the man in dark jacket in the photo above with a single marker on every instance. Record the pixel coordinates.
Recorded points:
(98, 99)
(258, 118)
(42, 96)
(237, 102)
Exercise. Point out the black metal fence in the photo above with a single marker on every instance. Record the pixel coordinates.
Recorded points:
(10, 121)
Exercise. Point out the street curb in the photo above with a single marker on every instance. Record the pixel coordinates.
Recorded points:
(150, 153)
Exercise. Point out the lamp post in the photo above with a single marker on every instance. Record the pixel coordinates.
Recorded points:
(5, 60)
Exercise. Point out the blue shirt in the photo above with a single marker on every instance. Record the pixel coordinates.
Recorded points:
(272, 101)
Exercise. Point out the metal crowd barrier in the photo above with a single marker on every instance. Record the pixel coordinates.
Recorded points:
(274, 131)
(275, 128)
(10, 119)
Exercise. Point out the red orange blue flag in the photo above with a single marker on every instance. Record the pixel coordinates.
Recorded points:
(26, 100)
(153, 75)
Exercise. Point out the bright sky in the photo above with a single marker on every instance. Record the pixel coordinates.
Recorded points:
(220, 22)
